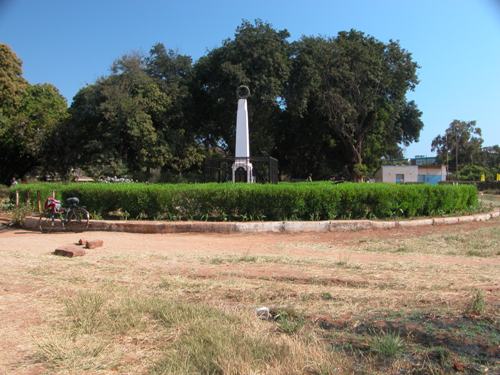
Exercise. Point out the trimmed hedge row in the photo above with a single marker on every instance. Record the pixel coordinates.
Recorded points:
(244, 202)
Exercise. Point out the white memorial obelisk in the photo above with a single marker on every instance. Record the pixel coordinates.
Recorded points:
(242, 168)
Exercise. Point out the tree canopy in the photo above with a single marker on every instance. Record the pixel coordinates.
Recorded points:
(256, 57)
(28, 116)
(323, 106)
(460, 144)
(352, 90)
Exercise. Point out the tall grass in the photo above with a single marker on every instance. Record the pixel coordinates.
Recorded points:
(284, 201)
(189, 338)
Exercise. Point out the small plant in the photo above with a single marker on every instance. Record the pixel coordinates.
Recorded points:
(164, 284)
(387, 345)
(477, 305)
(217, 260)
(440, 355)
(85, 309)
(20, 213)
(326, 296)
(95, 215)
(248, 259)
(289, 321)
(343, 259)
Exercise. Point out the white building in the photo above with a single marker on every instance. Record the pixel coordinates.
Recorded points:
(431, 174)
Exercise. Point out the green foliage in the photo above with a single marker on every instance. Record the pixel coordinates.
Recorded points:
(473, 172)
(132, 121)
(12, 84)
(477, 304)
(347, 97)
(84, 311)
(28, 115)
(284, 201)
(20, 213)
(327, 296)
(258, 57)
(289, 320)
(4, 191)
(387, 345)
(461, 144)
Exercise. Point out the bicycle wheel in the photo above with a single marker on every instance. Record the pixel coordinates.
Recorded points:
(77, 219)
(49, 223)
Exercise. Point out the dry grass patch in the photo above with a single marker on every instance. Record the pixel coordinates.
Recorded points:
(193, 338)
(484, 242)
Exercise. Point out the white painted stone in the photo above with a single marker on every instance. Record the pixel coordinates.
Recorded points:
(307, 226)
(466, 219)
(340, 225)
(414, 223)
(482, 217)
(375, 224)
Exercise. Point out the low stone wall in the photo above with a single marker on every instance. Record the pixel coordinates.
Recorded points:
(266, 226)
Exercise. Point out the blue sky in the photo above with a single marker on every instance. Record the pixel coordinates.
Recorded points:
(456, 42)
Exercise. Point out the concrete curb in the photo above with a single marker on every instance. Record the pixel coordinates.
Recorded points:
(266, 226)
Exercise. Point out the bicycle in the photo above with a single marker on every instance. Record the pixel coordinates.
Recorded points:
(72, 217)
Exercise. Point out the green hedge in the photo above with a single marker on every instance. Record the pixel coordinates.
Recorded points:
(284, 201)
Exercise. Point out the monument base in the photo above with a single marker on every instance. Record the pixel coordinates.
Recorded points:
(242, 170)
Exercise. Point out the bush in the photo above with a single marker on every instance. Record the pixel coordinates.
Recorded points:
(244, 202)
(387, 345)
(477, 305)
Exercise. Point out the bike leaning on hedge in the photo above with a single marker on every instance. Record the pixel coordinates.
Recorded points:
(70, 217)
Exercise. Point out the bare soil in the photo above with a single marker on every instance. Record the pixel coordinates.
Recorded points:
(365, 276)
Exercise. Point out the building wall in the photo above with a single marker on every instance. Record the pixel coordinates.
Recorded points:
(388, 173)
(411, 173)
(432, 174)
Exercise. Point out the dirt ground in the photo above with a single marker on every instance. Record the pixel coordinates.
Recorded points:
(433, 269)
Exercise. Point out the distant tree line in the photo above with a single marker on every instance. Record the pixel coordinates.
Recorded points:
(323, 106)
(461, 149)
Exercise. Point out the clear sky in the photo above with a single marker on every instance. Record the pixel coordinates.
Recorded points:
(70, 43)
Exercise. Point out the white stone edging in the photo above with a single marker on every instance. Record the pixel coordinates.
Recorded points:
(267, 226)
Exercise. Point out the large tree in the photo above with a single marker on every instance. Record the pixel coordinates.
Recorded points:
(460, 144)
(132, 121)
(12, 83)
(28, 115)
(173, 72)
(257, 56)
(116, 123)
(349, 94)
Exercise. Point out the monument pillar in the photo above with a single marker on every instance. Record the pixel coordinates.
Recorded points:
(242, 168)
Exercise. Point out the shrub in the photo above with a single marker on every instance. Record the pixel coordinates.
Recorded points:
(289, 321)
(387, 345)
(284, 201)
(477, 305)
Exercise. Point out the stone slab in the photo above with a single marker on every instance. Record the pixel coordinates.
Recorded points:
(341, 225)
(260, 226)
(414, 223)
(137, 226)
(383, 224)
(306, 226)
(69, 251)
(466, 219)
(94, 244)
(482, 217)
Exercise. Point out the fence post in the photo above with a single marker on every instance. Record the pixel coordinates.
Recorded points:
(53, 194)
(17, 198)
(38, 201)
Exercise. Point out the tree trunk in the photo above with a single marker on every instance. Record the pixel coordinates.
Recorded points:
(357, 160)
